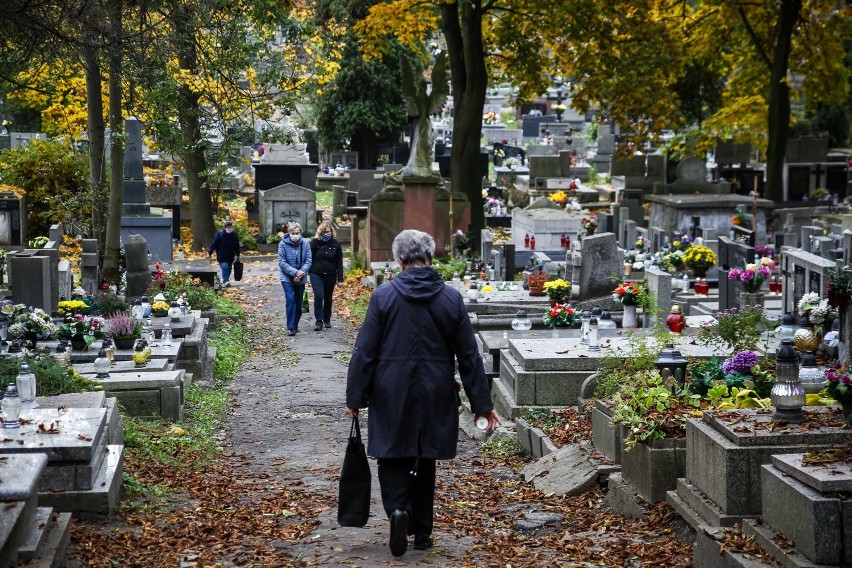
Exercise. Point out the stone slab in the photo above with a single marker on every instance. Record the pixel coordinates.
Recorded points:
(9, 531)
(145, 403)
(80, 432)
(622, 497)
(822, 478)
(810, 519)
(568, 471)
(94, 399)
(541, 388)
(698, 507)
(19, 475)
(53, 551)
(653, 468)
(765, 537)
(141, 380)
(730, 424)
(728, 473)
(568, 354)
(126, 366)
(607, 438)
(101, 499)
(35, 534)
(710, 553)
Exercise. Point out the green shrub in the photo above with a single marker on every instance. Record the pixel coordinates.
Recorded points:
(56, 179)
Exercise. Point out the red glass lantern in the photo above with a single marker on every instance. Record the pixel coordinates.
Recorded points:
(702, 288)
(526, 241)
(676, 320)
(532, 242)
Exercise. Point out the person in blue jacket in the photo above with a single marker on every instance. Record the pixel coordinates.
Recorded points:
(294, 261)
(403, 368)
(226, 244)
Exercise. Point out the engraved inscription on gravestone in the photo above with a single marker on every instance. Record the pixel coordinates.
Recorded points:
(798, 284)
(814, 282)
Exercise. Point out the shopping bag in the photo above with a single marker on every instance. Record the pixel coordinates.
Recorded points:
(238, 270)
(353, 503)
(306, 305)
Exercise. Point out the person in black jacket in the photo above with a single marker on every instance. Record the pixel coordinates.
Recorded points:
(226, 244)
(326, 271)
(403, 368)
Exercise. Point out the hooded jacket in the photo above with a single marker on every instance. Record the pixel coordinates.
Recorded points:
(293, 257)
(402, 367)
(327, 258)
(226, 245)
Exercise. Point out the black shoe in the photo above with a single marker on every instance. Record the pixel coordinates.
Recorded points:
(318, 327)
(422, 542)
(398, 532)
(291, 332)
(328, 325)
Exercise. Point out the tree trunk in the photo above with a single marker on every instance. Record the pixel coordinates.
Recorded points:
(95, 126)
(192, 147)
(463, 34)
(779, 100)
(112, 240)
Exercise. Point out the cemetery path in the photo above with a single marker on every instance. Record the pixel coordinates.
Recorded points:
(272, 500)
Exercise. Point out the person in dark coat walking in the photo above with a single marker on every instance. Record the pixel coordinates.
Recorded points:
(294, 261)
(403, 368)
(226, 244)
(326, 271)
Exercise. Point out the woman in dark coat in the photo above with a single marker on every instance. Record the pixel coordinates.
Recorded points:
(403, 368)
(326, 271)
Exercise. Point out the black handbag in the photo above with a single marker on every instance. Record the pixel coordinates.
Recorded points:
(238, 270)
(353, 504)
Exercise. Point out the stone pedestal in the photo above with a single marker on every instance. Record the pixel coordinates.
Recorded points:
(420, 200)
(138, 273)
(724, 454)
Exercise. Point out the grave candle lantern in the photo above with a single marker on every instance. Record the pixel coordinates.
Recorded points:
(676, 320)
(473, 293)
(606, 323)
(102, 365)
(788, 327)
(11, 407)
(137, 311)
(586, 318)
(521, 322)
(167, 334)
(109, 347)
(594, 335)
(787, 394)
(174, 311)
(672, 366)
(25, 383)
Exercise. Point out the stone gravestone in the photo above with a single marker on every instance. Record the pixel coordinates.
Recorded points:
(803, 273)
(600, 260)
(89, 265)
(138, 272)
(731, 254)
(29, 276)
(486, 242)
(288, 202)
(660, 288)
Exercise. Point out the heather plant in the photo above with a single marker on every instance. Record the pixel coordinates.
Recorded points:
(123, 325)
(736, 329)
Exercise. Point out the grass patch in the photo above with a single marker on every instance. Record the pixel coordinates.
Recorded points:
(501, 447)
(186, 443)
(231, 350)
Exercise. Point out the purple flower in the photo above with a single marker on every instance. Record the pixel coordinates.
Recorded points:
(735, 273)
(846, 379)
(742, 362)
(764, 271)
(747, 275)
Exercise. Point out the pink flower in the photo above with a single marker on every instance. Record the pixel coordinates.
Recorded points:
(735, 273)
(747, 276)
(764, 271)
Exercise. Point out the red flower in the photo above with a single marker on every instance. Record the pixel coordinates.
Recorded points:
(554, 312)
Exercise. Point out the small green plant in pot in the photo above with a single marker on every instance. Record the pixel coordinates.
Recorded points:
(736, 329)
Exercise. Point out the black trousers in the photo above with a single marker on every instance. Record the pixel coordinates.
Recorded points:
(413, 492)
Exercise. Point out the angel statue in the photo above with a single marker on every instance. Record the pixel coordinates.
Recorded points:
(423, 104)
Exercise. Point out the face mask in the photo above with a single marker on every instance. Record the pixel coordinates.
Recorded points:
(326, 237)
(229, 230)
(295, 238)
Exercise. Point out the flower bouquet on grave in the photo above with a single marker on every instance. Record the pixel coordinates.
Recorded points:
(490, 117)
(124, 329)
(557, 289)
(838, 385)
(839, 287)
(699, 258)
(632, 294)
(754, 275)
(682, 243)
(512, 163)
(559, 197)
(816, 309)
(561, 315)
(640, 243)
(499, 156)
(589, 223)
(29, 320)
(160, 309)
(81, 330)
(460, 243)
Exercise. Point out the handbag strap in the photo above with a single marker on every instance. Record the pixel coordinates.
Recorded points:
(355, 429)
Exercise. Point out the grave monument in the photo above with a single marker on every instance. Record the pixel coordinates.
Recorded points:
(138, 217)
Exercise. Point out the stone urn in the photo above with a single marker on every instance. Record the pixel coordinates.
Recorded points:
(630, 319)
